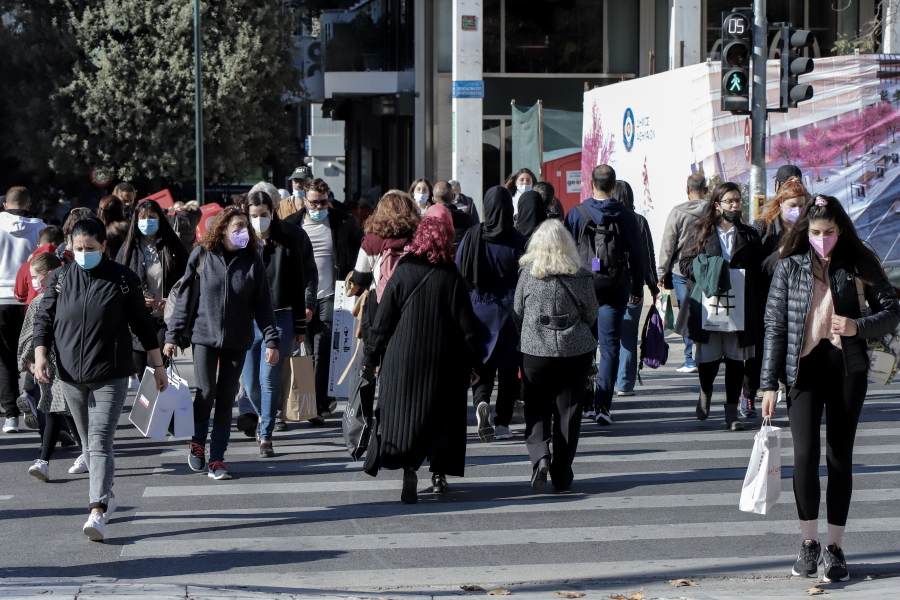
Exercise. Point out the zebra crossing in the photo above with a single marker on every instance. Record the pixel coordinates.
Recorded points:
(655, 496)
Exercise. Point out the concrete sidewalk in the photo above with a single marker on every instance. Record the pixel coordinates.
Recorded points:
(706, 589)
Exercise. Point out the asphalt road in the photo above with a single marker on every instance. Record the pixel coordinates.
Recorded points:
(655, 497)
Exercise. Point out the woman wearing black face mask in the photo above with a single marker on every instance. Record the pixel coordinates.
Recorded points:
(720, 236)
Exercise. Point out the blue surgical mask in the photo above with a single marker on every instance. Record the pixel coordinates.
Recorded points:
(523, 188)
(148, 226)
(87, 260)
(318, 215)
(421, 198)
(299, 193)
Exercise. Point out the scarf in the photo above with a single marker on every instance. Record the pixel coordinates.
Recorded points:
(531, 213)
(498, 221)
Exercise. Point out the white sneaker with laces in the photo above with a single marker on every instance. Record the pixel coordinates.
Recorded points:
(111, 507)
(687, 369)
(590, 414)
(40, 470)
(11, 425)
(80, 466)
(94, 527)
(501, 432)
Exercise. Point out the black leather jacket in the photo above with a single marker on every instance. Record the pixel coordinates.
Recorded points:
(788, 308)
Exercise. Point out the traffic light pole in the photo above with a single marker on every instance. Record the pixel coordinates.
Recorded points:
(758, 110)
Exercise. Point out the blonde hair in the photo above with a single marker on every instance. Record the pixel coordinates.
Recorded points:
(551, 251)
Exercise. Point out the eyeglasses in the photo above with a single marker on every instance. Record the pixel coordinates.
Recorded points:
(736, 202)
(318, 203)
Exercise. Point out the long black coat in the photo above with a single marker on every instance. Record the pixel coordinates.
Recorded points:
(788, 310)
(429, 343)
(744, 255)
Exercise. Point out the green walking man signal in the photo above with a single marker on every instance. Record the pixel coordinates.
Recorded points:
(736, 83)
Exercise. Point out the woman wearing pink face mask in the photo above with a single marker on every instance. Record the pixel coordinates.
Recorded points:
(778, 216)
(816, 335)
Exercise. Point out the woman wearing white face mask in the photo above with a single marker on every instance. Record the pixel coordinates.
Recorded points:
(153, 250)
(518, 183)
(85, 316)
(778, 216)
(423, 193)
(283, 258)
(816, 334)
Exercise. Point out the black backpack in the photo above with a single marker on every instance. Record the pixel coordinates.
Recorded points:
(607, 247)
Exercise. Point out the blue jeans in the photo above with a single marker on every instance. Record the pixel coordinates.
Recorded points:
(680, 284)
(609, 334)
(628, 351)
(261, 378)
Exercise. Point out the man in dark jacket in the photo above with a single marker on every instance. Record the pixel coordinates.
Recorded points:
(462, 222)
(607, 212)
(463, 202)
(336, 237)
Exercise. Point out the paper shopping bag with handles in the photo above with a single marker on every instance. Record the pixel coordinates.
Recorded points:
(154, 411)
(762, 484)
(299, 397)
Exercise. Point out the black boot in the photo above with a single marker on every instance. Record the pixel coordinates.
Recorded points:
(703, 406)
(731, 418)
(409, 494)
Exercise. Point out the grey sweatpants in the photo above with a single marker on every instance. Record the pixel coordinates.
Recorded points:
(96, 417)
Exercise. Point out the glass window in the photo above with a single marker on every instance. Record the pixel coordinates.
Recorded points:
(550, 36)
(491, 35)
(496, 152)
(444, 28)
(661, 40)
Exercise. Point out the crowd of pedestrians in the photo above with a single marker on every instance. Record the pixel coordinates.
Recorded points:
(517, 295)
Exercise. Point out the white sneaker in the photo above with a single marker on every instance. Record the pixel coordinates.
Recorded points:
(687, 369)
(590, 414)
(94, 527)
(11, 425)
(621, 393)
(80, 466)
(501, 432)
(40, 470)
(111, 507)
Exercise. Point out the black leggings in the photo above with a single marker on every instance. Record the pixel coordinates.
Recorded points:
(52, 427)
(822, 383)
(734, 378)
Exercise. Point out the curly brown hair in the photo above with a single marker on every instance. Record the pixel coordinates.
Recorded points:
(396, 216)
(215, 235)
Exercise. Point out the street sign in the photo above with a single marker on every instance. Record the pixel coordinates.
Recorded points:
(469, 23)
(468, 89)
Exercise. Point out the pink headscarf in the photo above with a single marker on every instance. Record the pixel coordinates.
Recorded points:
(440, 212)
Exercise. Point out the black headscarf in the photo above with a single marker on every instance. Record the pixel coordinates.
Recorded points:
(498, 222)
(531, 213)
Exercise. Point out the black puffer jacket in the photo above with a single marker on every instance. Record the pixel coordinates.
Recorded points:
(788, 308)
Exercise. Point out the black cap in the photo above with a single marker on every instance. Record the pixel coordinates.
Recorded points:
(302, 173)
(785, 172)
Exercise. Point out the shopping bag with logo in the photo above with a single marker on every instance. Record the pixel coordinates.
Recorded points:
(357, 420)
(299, 397)
(154, 411)
(884, 362)
(762, 484)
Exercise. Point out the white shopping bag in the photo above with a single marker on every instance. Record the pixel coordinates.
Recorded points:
(726, 312)
(154, 411)
(762, 484)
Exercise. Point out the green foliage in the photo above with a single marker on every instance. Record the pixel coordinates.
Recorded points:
(845, 44)
(123, 85)
(884, 95)
(896, 97)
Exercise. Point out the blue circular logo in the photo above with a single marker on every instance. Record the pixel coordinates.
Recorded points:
(628, 129)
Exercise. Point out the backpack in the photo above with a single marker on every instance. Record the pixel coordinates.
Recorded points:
(603, 252)
(387, 263)
(654, 349)
(177, 291)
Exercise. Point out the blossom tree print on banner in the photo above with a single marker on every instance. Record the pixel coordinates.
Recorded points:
(816, 154)
(596, 150)
(647, 205)
(786, 149)
(844, 136)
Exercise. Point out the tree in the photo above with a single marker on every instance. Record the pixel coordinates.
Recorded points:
(39, 53)
(884, 95)
(871, 127)
(896, 97)
(816, 153)
(845, 137)
(786, 149)
(133, 89)
(596, 150)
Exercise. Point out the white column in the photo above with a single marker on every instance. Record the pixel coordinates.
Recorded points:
(687, 18)
(891, 35)
(466, 120)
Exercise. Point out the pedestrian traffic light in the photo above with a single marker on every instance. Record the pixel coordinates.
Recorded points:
(792, 66)
(737, 48)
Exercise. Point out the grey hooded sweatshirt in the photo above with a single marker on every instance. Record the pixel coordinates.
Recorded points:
(675, 235)
(18, 239)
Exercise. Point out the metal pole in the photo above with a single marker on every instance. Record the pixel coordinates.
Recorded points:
(198, 106)
(758, 109)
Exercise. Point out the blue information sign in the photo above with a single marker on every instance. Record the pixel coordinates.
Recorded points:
(468, 89)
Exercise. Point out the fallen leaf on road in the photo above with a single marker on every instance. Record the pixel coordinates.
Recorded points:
(815, 592)
(499, 592)
(638, 595)
(683, 582)
(570, 594)
(471, 588)
(44, 592)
